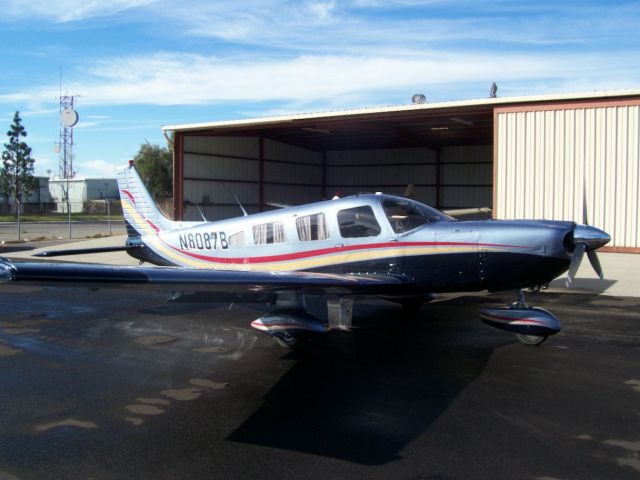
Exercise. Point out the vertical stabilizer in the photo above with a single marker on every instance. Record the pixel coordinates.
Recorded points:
(140, 211)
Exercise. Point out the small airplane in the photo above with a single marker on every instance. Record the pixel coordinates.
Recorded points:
(375, 244)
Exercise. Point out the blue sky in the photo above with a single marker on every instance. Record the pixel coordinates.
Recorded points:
(136, 65)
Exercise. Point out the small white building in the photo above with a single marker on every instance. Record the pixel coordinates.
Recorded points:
(40, 196)
(82, 190)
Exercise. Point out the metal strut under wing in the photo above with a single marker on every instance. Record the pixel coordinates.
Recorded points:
(99, 276)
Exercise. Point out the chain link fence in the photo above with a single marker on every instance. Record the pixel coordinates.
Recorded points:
(41, 221)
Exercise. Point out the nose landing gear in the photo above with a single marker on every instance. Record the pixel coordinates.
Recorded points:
(531, 325)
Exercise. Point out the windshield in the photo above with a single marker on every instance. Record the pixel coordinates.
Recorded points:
(404, 214)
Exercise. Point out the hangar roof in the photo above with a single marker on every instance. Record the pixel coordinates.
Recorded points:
(433, 125)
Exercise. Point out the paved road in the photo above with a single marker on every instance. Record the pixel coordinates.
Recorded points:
(54, 230)
(121, 385)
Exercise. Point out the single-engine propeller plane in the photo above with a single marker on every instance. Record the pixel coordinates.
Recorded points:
(376, 244)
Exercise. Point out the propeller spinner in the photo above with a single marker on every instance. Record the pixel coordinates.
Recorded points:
(586, 239)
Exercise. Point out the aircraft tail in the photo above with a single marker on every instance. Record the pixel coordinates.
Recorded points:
(141, 213)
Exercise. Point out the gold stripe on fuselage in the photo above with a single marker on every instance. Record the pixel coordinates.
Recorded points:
(303, 263)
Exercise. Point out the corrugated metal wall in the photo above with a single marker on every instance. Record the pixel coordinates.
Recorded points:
(544, 157)
(466, 177)
(216, 168)
(292, 175)
(387, 170)
(465, 174)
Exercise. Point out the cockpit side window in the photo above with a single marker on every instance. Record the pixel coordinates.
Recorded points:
(405, 215)
(358, 222)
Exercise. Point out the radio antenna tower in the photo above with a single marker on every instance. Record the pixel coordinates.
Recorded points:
(68, 119)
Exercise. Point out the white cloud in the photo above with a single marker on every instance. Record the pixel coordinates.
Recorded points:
(170, 79)
(320, 11)
(348, 25)
(370, 24)
(68, 10)
(20, 97)
(82, 124)
(45, 162)
(39, 112)
(96, 168)
(331, 52)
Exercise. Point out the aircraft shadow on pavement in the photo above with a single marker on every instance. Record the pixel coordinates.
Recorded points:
(363, 396)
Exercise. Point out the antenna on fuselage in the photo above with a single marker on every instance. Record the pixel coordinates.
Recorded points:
(201, 214)
(240, 205)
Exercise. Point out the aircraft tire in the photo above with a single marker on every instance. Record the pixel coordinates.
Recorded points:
(534, 340)
(287, 341)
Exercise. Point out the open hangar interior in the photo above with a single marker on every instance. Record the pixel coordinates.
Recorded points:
(525, 157)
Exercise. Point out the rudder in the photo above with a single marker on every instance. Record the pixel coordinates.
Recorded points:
(140, 211)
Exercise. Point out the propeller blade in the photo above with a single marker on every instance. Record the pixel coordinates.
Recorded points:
(578, 253)
(595, 263)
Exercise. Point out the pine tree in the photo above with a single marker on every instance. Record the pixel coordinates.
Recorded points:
(16, 174)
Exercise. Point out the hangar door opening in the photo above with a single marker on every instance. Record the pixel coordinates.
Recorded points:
(217, 170)
(442, 157)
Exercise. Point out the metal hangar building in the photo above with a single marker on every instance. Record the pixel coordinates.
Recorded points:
(525, 157)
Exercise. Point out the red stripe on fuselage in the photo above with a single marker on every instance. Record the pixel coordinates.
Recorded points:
(328, 251)
(128, 194)
(153, 226)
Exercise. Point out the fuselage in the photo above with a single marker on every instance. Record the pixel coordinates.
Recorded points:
(369, 234)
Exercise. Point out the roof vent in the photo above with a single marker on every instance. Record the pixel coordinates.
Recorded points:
(418, 99)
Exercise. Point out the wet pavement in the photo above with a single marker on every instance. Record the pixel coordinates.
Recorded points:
(120, 384)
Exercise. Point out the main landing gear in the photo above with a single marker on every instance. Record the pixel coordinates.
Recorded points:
(289, 322)
(531, 325)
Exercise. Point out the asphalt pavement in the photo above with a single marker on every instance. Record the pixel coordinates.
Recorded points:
(121, 384)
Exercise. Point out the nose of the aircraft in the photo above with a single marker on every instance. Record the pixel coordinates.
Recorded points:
(592, 237)
(586, 239)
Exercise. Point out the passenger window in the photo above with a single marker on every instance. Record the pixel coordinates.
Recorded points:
(268, 233)
(358, 222)
(237, 240)
(312, 227)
